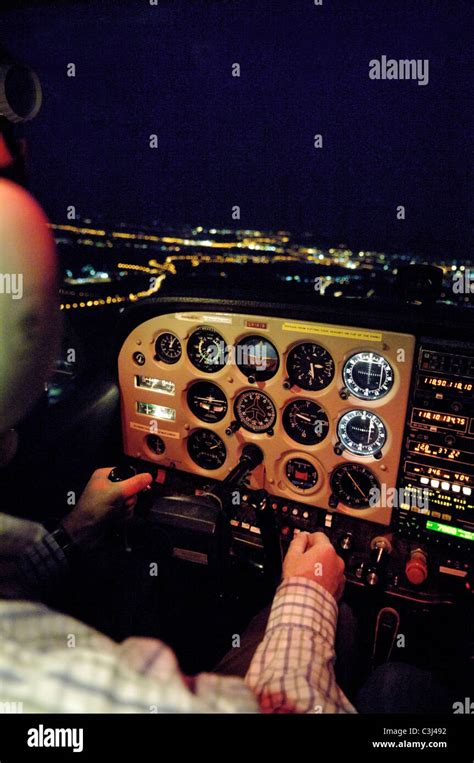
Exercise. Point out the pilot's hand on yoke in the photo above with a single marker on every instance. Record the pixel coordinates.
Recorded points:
(312, 556)
(102, 504)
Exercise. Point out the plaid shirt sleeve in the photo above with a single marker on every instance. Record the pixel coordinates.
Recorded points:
(42, 566)
(50, 662)
(293, 668)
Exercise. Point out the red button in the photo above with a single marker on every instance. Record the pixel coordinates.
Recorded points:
(160, 476)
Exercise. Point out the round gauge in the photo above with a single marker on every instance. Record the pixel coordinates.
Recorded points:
(305, 422)
(257, 357)
(352, 484)
(368, 375)
(361, 432)
(155, 444)
(310, 366)
(207, 401)
(206, 449)
(207, 350)
(255, 411)
(168, 348)
(301, 473)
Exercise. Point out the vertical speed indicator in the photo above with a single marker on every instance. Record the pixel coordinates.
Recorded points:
(305, 422)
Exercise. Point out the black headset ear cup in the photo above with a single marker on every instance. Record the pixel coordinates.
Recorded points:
(20, 92)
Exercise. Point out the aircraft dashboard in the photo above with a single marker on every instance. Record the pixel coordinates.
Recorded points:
(366, 433)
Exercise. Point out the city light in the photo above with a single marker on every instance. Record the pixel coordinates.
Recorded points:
(167, 253)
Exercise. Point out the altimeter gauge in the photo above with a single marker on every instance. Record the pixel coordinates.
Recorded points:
(310, 366)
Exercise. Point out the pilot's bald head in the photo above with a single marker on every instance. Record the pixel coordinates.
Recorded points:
(29, 314)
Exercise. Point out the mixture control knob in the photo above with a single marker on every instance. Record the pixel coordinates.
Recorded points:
(416, 568)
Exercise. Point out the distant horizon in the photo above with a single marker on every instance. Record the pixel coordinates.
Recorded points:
(319, 243)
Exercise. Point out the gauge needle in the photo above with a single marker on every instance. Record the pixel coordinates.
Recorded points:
(357, 486)
(370, 430)
(311, 370)
(302, 416)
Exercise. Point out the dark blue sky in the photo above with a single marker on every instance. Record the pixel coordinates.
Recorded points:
(249, 140)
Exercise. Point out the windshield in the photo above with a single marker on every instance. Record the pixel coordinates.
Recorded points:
(209, 146)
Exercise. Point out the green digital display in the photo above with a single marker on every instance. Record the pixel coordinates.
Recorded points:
(457, 532)
(161, 412)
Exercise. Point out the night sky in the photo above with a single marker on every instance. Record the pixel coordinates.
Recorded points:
(248, 141)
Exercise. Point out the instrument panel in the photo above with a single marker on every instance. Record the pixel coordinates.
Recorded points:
(325, 403)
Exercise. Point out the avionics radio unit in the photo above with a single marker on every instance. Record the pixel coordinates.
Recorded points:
(437, 465)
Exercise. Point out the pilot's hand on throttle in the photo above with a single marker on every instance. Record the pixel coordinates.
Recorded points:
(312, 556)
(103, 503)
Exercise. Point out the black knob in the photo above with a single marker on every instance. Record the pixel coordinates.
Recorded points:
(233, 427)
(139, 358)
(121, 473)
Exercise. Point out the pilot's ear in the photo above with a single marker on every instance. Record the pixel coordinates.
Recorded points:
(6, 157)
